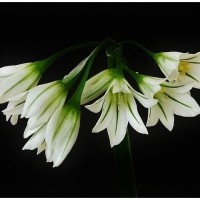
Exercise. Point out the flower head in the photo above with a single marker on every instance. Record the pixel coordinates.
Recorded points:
(118, 108)
(172, 99)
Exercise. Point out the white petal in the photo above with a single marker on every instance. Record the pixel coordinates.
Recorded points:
(50, 130)
(76, 70)
(118, 125)
(17, 110)
(106, 115)
(133, 116)
(36, 140)
(65, 137)
(17, 83)
(96, 106)
(152, 116)
(10, 70)
(41, 148)
(45, 100)
(166, 116)
(177, 87)
(34, 94)
(145, 101)
(14, 119)
(183, 105)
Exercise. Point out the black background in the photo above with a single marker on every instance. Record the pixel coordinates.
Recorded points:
(166, 163)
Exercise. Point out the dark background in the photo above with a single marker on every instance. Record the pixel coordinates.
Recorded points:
(166, 163)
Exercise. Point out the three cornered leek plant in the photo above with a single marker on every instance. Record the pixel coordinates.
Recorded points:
(54, 117)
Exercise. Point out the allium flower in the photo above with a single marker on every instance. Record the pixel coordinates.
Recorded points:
(61, 133)
(15, 81)
(118, 108)
(41, 103)
(149, 85)
(172, 99)
(52, 124)
(180, 67)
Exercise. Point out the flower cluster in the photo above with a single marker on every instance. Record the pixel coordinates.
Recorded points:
(54, 118)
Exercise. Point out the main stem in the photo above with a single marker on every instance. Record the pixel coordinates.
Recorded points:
(124, 169)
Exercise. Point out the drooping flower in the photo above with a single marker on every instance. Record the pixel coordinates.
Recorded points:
(58, 136)
(180, 67)
(41, 103)
(172, 99)
(15, 81)
(118, 109)
(52, 123)
(149, 85)
(61, 134)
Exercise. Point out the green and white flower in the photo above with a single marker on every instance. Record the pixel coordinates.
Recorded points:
(15, 81)
(180, 67)
(41, 103)
(53, 125)
(149, 85)
(118, 108)
(172, 99)
(61, 133)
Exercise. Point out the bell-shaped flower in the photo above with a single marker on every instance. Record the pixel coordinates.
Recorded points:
(149, 85)
(168, 63)
(52, 124)
(58, 135)
(41, 103)
(15, 81)
(172, 99)
(61, 133)
(118, 109)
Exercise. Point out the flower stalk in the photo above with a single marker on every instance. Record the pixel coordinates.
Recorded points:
(124, 169)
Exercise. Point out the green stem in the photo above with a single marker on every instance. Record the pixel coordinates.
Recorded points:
(150, 53)
(124, 169)
(75, 99)
(48, 61)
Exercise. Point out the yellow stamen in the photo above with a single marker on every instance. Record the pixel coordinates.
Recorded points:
(184, 67)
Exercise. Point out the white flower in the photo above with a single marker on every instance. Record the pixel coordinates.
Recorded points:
(168, 63)
(41, 103)
(172, 99)
(58, 136)
(149, 85)
(61, 134)
(180, 67)
(15, 81)
(118, 108)
(53, 125)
